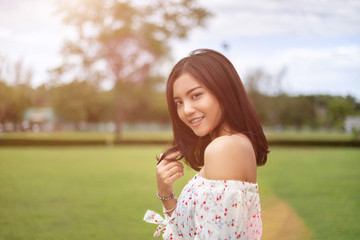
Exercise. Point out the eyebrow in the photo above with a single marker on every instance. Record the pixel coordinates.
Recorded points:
(189, 91)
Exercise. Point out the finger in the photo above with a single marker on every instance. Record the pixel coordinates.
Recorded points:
(173, 155)
(170, 165)
(174, 170)
(162, 175)
(175, 176)
(168, 175)
(164, 162)
(164, 172)
(167, 162)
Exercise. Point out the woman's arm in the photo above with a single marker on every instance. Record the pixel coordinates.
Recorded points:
(167, 172)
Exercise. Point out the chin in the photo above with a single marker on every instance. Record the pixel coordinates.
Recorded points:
(201, 133)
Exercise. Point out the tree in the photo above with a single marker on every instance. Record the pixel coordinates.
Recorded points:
(259, 81)
(338, 109)
(6, 101)
(42, 96)
(81, 102)
(127, 37)
(298, 111)
(16, 93)
(260, 85)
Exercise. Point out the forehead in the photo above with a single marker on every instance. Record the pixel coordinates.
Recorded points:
(184, 83)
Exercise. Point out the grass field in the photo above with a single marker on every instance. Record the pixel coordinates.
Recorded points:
(103, 192)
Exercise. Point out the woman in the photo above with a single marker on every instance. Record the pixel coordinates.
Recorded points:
(217, 132)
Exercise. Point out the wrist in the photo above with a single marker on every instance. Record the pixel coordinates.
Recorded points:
(165, 197)
(165, 192)
(167, 211)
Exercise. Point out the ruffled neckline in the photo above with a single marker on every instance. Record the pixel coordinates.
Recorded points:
(225, 181)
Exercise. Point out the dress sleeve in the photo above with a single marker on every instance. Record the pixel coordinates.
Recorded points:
(164, 225)
(225, 210)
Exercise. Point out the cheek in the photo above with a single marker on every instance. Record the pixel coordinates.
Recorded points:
(180, 114)
(216, 111)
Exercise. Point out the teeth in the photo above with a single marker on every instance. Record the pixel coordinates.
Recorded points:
(196, 120)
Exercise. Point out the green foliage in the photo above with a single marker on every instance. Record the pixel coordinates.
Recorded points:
(276, 108)
(103, 193)
(356, 133)
(314, 111)
(6, 101)
(81, 101)
(143, 103)
(14, 101)
(295, 111)
(338, 109)
(16, 98)
(42, 96)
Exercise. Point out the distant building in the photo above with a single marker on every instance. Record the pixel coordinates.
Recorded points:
(351, 123)
(39, 119)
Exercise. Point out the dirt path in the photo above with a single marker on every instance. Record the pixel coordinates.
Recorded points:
(280, 222)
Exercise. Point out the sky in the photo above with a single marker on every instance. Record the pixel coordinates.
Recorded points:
(317, 42)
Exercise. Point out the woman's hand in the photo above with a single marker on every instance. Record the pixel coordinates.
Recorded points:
(167, 172)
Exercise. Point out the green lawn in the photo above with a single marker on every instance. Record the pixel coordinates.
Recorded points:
(321, 184)
(103, 192)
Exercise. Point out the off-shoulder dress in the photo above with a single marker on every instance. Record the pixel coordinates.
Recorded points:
(212, 209)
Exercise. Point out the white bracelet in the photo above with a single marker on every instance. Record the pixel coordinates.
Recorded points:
(167, 211)
(165, 198)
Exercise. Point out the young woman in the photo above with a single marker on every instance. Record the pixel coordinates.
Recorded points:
(218, 133)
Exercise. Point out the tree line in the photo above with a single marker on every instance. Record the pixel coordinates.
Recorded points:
(278, 109)
(82, 101)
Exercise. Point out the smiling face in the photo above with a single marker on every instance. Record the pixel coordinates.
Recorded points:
(196, 106)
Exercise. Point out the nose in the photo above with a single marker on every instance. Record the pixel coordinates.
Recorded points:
(188, 108)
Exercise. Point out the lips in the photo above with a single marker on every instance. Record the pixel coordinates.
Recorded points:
(196, 121)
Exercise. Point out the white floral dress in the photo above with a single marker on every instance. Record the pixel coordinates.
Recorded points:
(212, 209)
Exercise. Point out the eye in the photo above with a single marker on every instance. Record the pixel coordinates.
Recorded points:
(178, 103)
(196, 95)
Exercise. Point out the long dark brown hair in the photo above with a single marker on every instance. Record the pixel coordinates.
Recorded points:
(217, 73)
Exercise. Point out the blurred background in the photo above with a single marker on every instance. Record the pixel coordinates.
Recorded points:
(83, 110)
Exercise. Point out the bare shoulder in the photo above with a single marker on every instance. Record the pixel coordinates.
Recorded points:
(230, 157)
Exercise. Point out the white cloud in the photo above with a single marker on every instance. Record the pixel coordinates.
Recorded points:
(262, 17)
(4, 33)
(329, 70)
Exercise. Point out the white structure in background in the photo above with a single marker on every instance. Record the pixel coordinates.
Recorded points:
(352, 123)
(39, 119)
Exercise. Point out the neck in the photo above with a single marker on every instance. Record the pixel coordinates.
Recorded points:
(224, 130)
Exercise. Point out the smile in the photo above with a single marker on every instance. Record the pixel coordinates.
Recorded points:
(195, 122)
